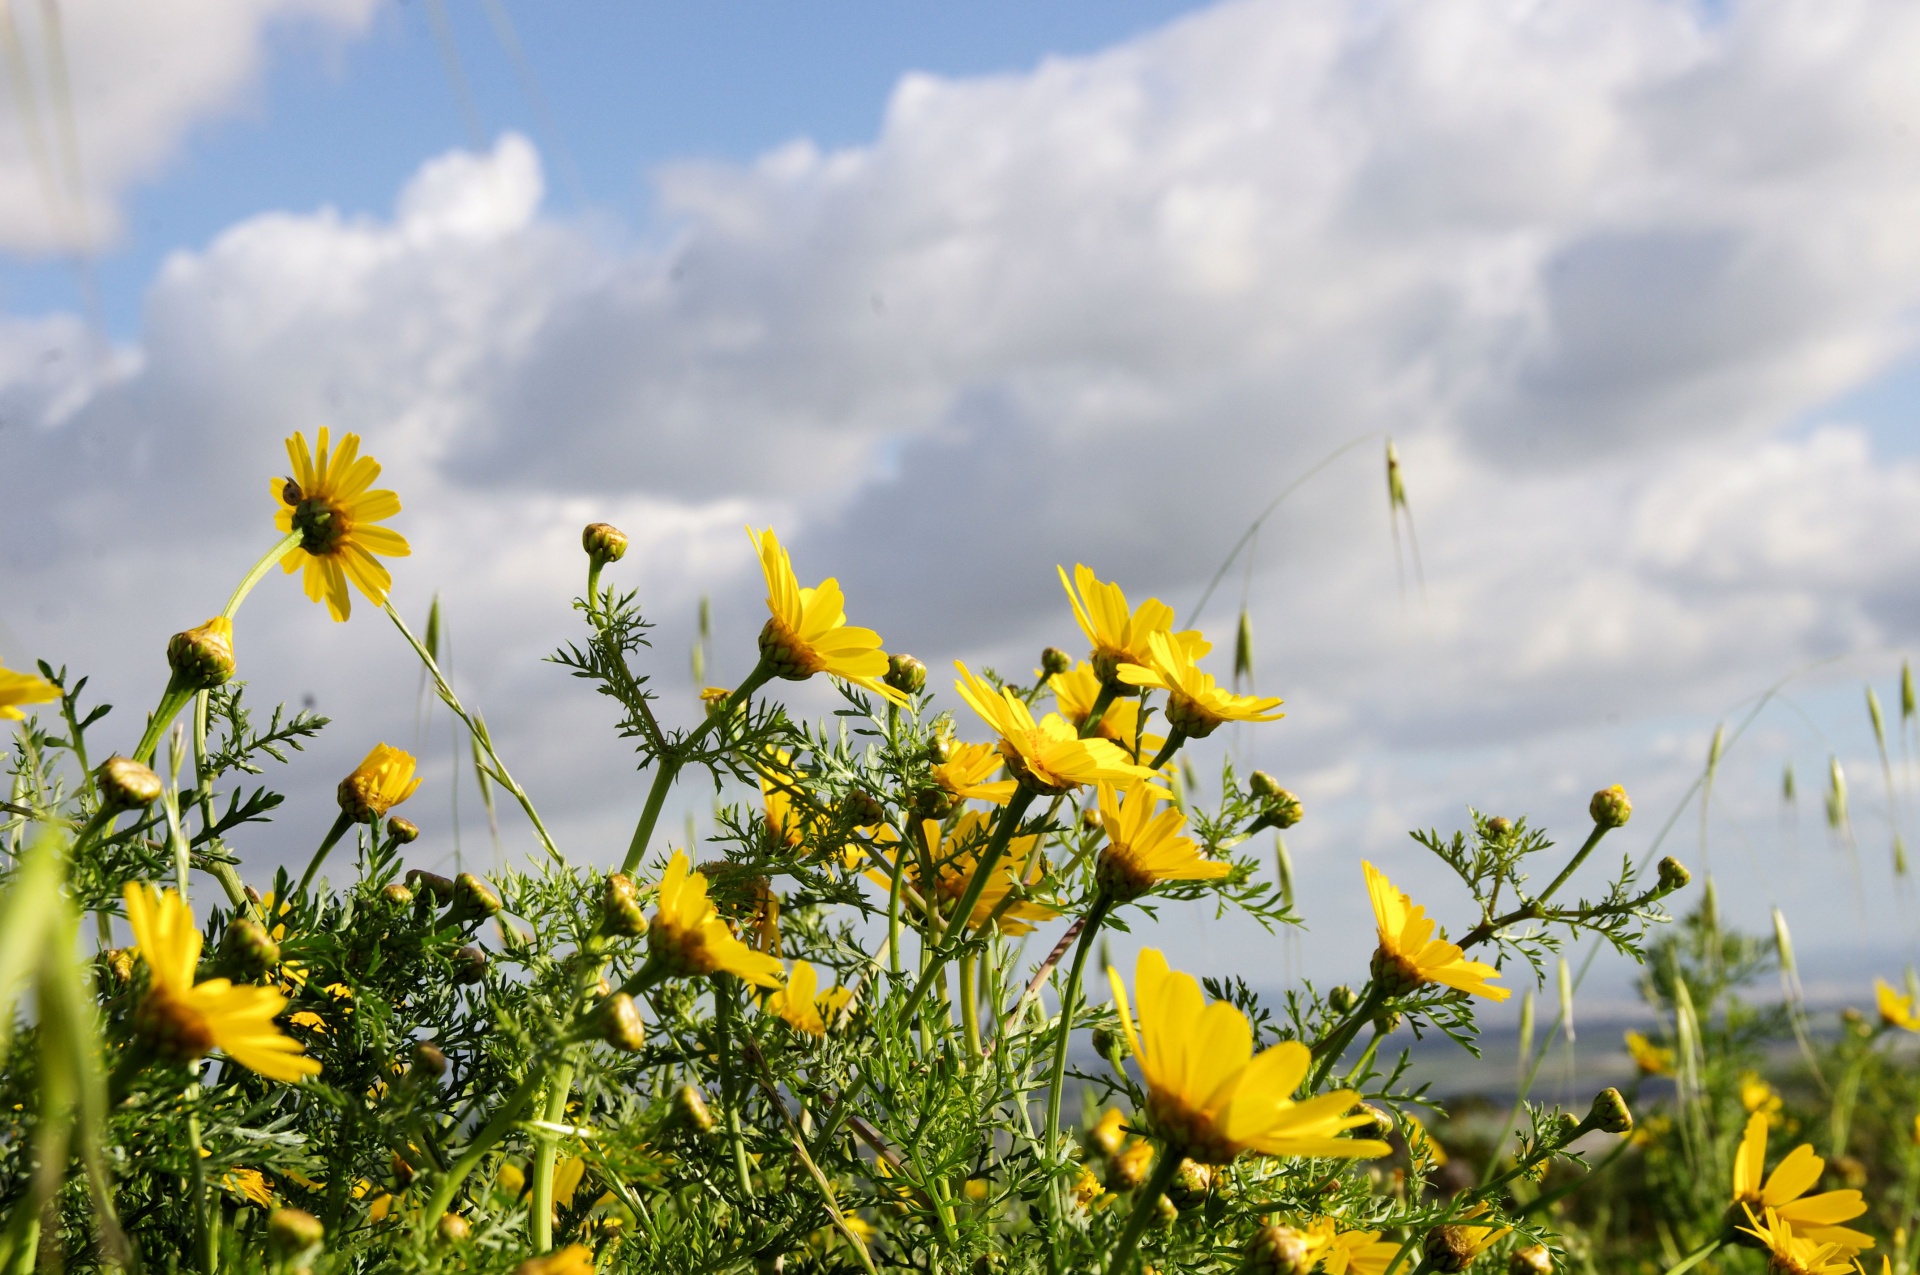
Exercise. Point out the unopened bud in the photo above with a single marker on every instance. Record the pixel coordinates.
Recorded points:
(933, 803)
(469, 965)
(604, 542)
(906, 674)
(1191, 1182)
(402, 1171)
(402, 832)
(127, 785)
(1609, 1113)
(1054, 661)
(1342, 999)
(247, 951)
(453, 1229)
(397, 894)
(1567, 1127)
(293, 1232)
(1610, 807)
(1382, 1123)
(1673, 874)
(940, 743)
(1261, 784)
(1281, 1250)
(430, 887)
(1165, 1211)
(690, 1109)
(473, 898)
(1534, 1259)
(1450, 1248)
(620, 1024)
(428, 1061)
(1109, 1043)
(620, 911)
(1499, 827)
(116, 968)
(202, 658)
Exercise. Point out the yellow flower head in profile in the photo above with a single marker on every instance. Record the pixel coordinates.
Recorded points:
(574, 1259)
(379, 783)
(956, 858)
(1146, 846)
(967, 774)
(1651, 1059)
(1814, 1218)
(786, 829)
(1358, 1253)
(1196, 704)
(23, 688)
(1118, 636)
(328, 501)
(1895, 1010)
(807, 631)
(1048, 755)
(1074, 693)
(1410, 954)
(1456, 1247)
(802, 1009)
(1794, 1252)
(1209, 1095)
(184, 1020)
(690, 939)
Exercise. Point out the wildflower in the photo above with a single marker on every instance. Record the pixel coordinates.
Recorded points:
(328, 502)
(1814, 1218)
(1759, 1096)
(1145, 848)
(808, 631)
(906, 674)
(574, 1259)
(800, 1007)
(1048, 756)
(182, 1019)
(1358, 1253)
(202, 658)
(1087, 1190)
(1409, 954)
(1209, 1095)
(378, 784)
(1895, 1010)
(248, 1184)
(786, 828)
(1130, 1167)
(1119, 636)
(1110, 1131)
(23, 688)
(967, 773)
(689, 937)
(1074, 693)
(1196, 704)
(1456, 1247)
(1797, 1253)
(1651, 1059)
(1288, 1250)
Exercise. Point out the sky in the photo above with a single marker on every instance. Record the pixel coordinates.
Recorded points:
(954, 295)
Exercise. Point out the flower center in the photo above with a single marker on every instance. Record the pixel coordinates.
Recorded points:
(176, 1030)
(1188, 1132)
(1121, 875)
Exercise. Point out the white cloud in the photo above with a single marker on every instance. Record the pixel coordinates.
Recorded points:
(1594, 264)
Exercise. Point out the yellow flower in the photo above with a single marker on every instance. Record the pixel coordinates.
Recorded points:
(1087, 1190)
(957, 857)
(249, 1184)
(689, 937)
(574, 1259)
(1458, 1246)
(1814, 1218)
(1358, 1253)
(966, 772)
(1410, 955)
(1119, 636)
(1209, 1095)
(808, 631)
(1651, 1059)
(1108, 1132)
(1145, 848)
(1074, 693)
(378, 784)
(1797, 1253)
(1196, 704)
(327, 500)
(786, 829)
(1048, 756)
(1129, 1168)
(184, 1019)
(23, 688)
(800, 1007)
(566, 1180)
(1757, 1095)
(1895, 1010)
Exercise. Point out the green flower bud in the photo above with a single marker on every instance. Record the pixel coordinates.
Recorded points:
(1165, 1211)
(469, 965)
(1673, 875)
(202, 658)
(247, 951)
(397, 894)
(1280, 1250)
(116, 969)
(620, 1024)
(293, 1233)
(1191, 1183)
(1610, 807)
(863, 808)
(1534, 1259)
(402, 832)
(1342, 999)
(690, 1110)
(1450, 1248)
(1499, 827)
(1109, 1043)
(473, 899)
(453, 1229)
(906, 674)
(620, 911)
(1261, 784)
(125, 784)
(1054, 661)
(429, 887)
(604, 542)
(932, 803)
(1567, 1127)
(1609, 1113)
(428, 1061)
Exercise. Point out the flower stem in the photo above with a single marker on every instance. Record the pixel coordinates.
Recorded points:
(1326, 1053)
(203, 1237)
(540, 1202)
(172, 700)
(669, 764)
(1101, 702)
(496, 1128)
(1593, 839)
(1175, 738)
(339, 830)
(970, 1005)
(287, 545)
(1069, 993)
(725, 993)
(1696, 1257)
(1145, 1205)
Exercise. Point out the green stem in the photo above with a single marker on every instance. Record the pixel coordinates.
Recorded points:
(893, 910)
(496, 1129)
(540, 1203)
(203, 1237)
(1326, 1053)
(172, 700)
(593, 589)
(1696, 1257)
(1593, 839)
(1070, 993)
(970, 1005)
(669, 765)
(1175, 738)
(339, 829)
(725, 996)
(1145, 1206)
(267, 563)
(1101, 702)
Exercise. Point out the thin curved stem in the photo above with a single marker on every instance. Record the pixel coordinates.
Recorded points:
(1069, 994)
(1145, 1206)
(496, 1129)
(287, 545)
(340, 825)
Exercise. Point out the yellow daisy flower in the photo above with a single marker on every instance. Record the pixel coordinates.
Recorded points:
(1146, 847)
(185, 1020)
(1358, 1253)
(1457, 1246)
(1209, 1095)
(1118, 636)
(1797, 1253)
(249, 1184)
(1895, 1010)
(966, 774)
(801, 1008)
(1048, 755)
(1074, 693)
(1784, 1195)
(688, 936)
(1651, 1059)
(23, 688)
(574, 1259)
(1410, 954)
(957, 858)
(1196, 704)
(807, 631)
(329, 502)
(786, 830)
(383, 780)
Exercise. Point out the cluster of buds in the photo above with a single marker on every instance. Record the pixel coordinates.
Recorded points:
(1278, 807)
(247, 951)
(906, 674)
